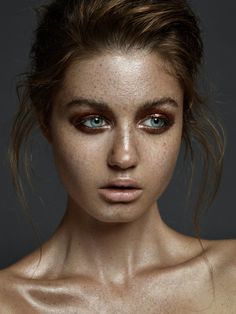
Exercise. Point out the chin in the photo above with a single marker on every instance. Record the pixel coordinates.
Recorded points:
(118, 213)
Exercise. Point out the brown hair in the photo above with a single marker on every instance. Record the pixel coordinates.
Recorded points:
(77, 29)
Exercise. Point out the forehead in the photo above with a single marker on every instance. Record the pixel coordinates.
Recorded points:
(119, 78)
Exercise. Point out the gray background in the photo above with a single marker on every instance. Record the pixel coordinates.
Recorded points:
(48, 203)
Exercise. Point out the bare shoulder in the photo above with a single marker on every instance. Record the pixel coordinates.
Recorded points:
(6, 291)
(14, 280)
(14, 288)
(33, 265)
(222, 256)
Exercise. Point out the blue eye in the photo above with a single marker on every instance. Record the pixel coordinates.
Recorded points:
(95, 122)
(157, 122)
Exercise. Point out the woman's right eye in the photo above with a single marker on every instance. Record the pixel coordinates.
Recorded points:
(93, 122)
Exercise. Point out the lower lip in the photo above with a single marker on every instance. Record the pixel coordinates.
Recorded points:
(118, 195)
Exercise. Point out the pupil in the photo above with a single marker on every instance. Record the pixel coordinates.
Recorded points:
(96, 120)
(157, 121)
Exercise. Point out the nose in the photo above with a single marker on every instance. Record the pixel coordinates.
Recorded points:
(124, 150)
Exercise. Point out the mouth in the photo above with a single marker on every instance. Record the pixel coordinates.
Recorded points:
(121, 190)
(120, 193)
(115, 187)
(122, 184)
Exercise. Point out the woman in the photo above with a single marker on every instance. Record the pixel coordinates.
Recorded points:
(112, 86)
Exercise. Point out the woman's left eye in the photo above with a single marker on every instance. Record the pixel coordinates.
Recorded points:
(157, 122)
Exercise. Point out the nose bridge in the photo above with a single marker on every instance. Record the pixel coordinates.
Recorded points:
(124, 150)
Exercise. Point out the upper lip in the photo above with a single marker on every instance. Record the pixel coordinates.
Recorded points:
(128, 183)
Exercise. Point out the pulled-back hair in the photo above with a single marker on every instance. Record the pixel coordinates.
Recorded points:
(70, 30)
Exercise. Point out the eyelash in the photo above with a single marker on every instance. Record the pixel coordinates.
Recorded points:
(168, 122)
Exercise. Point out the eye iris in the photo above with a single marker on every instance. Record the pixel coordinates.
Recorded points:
(97, 121)
(158, 122)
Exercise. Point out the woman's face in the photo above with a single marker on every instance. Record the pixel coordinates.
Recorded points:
(117, 116)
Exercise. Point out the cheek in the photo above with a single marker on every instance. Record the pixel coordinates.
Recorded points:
(161, 160)
(75, 160)
(168, 154)
(78, 160)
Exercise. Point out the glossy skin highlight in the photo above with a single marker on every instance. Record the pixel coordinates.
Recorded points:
(114, 257)
(123, 145)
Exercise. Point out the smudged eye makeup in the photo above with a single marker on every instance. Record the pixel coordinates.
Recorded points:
(155, 123)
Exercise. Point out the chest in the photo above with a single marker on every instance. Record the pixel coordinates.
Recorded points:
(141, 297)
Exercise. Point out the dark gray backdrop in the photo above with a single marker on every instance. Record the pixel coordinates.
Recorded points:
(48, 203)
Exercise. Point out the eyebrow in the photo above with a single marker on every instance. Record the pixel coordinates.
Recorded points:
(103, 106)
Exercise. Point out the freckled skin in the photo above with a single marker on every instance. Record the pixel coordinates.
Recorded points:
(124, 150)
(115, 257)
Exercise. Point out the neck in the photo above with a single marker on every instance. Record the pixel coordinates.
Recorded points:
(114, 252)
